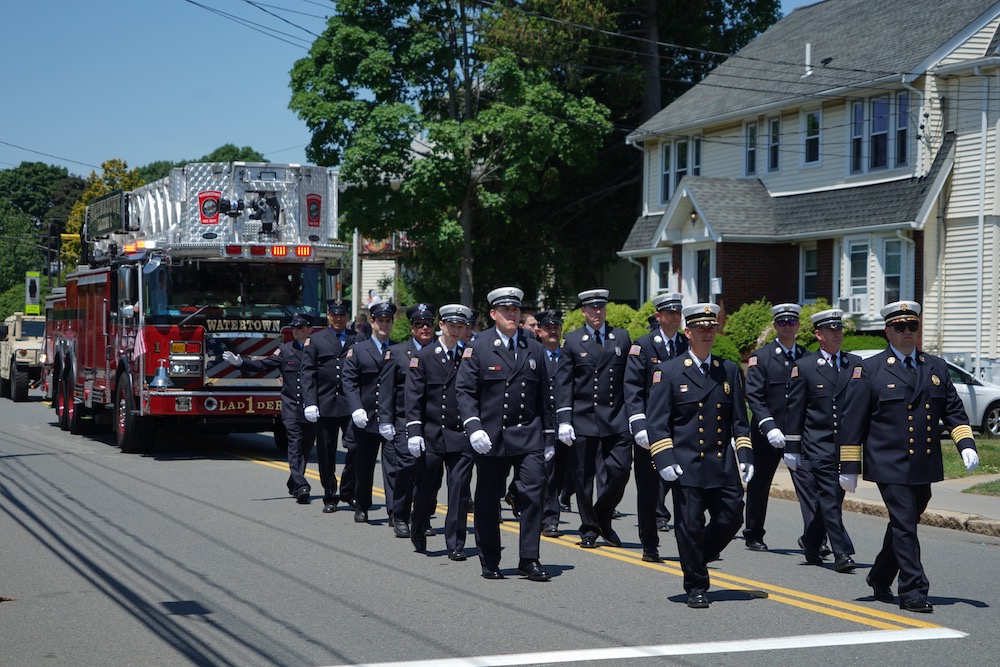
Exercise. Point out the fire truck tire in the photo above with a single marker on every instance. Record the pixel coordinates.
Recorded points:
(133, 432)
(280, 436)
(73, 411)
(18, 383)
(62, 414)
(5, 385)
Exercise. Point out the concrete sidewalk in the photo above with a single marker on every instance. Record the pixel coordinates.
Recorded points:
(949, 506)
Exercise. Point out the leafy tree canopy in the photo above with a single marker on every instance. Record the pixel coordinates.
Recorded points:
(116, 175)
(18, 240)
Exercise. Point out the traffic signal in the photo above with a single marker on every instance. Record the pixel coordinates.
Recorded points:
(55, 238)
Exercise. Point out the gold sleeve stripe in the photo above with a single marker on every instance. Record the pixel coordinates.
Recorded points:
(961, 432)
(743, 441)
(850, 453)
(660, 446)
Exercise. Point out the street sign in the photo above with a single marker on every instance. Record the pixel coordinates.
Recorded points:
(32, 293)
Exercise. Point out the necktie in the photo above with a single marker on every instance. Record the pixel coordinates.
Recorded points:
(597, 337)
(790, 354)
(833, 363)
(670, 349)
(451, 355)
(908, 362)
(704, 368)
(510, 345)
(381, 347)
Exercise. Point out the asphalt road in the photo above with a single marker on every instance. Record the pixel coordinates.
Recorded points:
(196, 555)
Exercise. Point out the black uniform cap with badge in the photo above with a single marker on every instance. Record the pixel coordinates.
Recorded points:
(505, 296)
(455, 312)
(549, 317)
(300, 321)
(338, 306)
(421, 312)
(382, 309)
(701, 315)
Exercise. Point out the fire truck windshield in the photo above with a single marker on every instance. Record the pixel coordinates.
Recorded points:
(233, 290)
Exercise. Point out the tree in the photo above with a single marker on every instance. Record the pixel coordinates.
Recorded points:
(17, 247)
(116, 175)
(439, 137)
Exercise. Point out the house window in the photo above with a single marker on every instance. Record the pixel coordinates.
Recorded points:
(662, 276)
(696, 156)
(811, 148)
(751, 149)
(879, 140)
(857, 136)
(704, 276)
(902, 128)
(677, 159)
(809, 274)
(773, 144)
(665, 180)
(892, 270)
(680, 161)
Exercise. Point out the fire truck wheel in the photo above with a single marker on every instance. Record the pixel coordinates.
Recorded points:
(5, 386)
(62, 414)
(280, 436)
(73, 411)
(18, 383)
(133, 432)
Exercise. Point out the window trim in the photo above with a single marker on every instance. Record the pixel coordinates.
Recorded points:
(818, 138)
(670, 174)
(803, 273)
(773, 145)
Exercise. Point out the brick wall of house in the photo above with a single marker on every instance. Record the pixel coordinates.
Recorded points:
(750, 271)
(824, 270)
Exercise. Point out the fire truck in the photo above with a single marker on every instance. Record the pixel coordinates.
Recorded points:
(214, 257)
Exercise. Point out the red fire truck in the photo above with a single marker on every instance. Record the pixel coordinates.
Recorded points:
(214, 257)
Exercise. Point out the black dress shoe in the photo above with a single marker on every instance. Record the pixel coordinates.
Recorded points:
(419, 542)
(400, 528)
(879, 592)
(550, 530)
(429, 531)
(616, 515)
(350, 503)
(651, 556)
(919, 605)
(814, 559)
(329, 506)
(611, 537)
(824, 549)
(456, 554)
(844, 563)
(698, 601)
(360, 516)
(533, 570)
(511, 500)
(663, 525)
(565, 507)
(492, 572)
(756, 545)
(302, 497)
(588, 542)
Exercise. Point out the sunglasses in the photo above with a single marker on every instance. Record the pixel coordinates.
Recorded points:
(911, 326)
(786, 323)
(301, 326)
(421, 325)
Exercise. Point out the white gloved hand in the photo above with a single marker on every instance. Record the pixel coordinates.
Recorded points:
(792, 460)
(747, 470)
(481, 441)
(550, 451)
(642, 439)
(360, 418)
(849, 483)
(311, 413)
(387, 431)
(415, 445)
(566, 434)
(970, 458)
(234, 359)
(776, 438)
(671, 473)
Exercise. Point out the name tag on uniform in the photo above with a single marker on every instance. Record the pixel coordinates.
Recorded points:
(683, 388)
(493, 368)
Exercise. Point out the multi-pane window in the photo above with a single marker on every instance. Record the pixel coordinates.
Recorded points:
(902, 128)
(811, 148)
(773, 144)
(857, 136)
(892, 271)
(681, 161)
(809, 274)
(878, 142)
(677, 159)
(704, 269)
(751, 149)
(858, 258)
(666, 171)
(696, 156)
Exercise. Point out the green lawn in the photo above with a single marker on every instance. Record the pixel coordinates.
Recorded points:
(985, 489)
(989, 458)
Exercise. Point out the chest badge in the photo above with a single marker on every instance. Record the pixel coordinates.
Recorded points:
(936, 380)
(531, 364)
(726, 387)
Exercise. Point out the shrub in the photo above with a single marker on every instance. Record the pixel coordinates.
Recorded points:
(807, 336)
(864, 342)
(746, 326)
(640, 323)
(725, 348)
(619, 315)
(572, 320)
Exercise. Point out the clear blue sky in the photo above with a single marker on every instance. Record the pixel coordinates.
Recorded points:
(148, 80)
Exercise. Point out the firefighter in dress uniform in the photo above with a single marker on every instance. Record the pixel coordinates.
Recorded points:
(696, 413)
(435, 437)
(392, 414)
(325, 356)
(502, 398)
(297, 414)
(644, 358)
(813, 422)
(592, 418)
(362, 387)
(558, 469)
(895, 402)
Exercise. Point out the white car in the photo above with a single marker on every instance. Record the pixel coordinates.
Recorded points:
(980, 398)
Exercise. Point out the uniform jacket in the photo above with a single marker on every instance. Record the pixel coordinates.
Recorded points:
(289, 359)
(590, 382)
(891, 420)
(392, 410)
(325, 358)
(362, 380)
(505, 397)
(768, 370)
(693, 419)
(644, 357)
(431, 400)
(815, 413)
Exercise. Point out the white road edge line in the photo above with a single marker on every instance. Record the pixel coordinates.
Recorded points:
(700, 648)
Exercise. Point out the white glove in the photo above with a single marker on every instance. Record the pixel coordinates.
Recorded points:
(970, 458)
(387, 431)
(415, 445)
(481, 441)
(671, 473)
(792, 460)
(849, 483)
(642, 439)
(747, 470)
(234, 359)
(776, 438)
(360, 418)
(550, 451)
(566, 434)
(311, 413)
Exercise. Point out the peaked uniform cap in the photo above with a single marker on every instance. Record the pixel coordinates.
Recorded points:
(382, 309)
(701, 314)
(833, 318)
(786, 311)
(420, 311)
(506, 296)
(594, 297)
(456, 312)
(668, 301)
(900, 311)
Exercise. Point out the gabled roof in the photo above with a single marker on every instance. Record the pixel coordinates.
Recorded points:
(865, 41)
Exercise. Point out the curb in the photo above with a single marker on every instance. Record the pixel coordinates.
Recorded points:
(972, 523)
